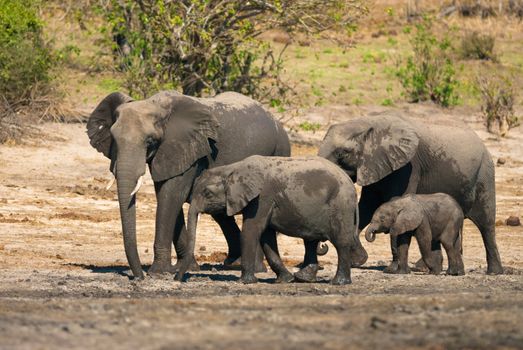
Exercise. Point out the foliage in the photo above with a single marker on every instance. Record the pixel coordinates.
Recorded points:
(25, 59)
(25, 64)
(478, 46)
(308, 126)
(429, 72)
(498, 98)
(210, 46)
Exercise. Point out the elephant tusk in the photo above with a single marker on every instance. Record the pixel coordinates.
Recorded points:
(139, 184)
(110, 183)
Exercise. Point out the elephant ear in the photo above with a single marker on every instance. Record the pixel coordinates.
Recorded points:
(242, 186)
(388, 144)
(188, 127)
(408, 219)
(101, 120)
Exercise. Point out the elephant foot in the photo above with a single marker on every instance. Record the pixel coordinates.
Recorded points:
(399, 271)
(285, 277)
(391, 268)
(302, 265)
(248, 279)
(420, 266)
(233, 263)
(339, 280)
(455, 271)
(159, 269)
(193, 266)
(232, 260)
(307, 274)
(494, 269)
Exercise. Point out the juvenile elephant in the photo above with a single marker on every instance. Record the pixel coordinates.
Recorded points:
(391, 155)
(431, 218)
(177, 136)
(305, 197)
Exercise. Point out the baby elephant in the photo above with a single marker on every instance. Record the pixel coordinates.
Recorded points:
(432, 219)
(306, 197)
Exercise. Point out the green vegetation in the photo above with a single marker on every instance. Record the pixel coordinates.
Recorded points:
(429, 72)
(308, 126)
(206, 47)
(26, 59)
(498, 97)
(478, 46)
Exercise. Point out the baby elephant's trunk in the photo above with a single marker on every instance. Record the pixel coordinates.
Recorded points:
(322, 249)
(370, 234)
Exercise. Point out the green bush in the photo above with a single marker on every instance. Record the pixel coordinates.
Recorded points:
(25, 59)
(204, 47)
(428, 73)
(478, 46)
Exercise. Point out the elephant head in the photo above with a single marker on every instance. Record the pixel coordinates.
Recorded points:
(398, 216)
(370, 148)
(169, 131)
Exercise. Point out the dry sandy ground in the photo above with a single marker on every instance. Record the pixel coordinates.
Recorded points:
(64, 284)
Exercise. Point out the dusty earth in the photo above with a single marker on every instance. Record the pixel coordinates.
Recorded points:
(64, 281)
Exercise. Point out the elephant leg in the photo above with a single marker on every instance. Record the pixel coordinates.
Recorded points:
(342, 246)
(452, 243)
(270, 248)
(310, 265)
(431, 258)
(180, 242)
(483, 215)
(170, 195)
(231, 231)
(421, 266)
(403, 254)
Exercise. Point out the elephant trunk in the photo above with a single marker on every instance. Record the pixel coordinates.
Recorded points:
(370, 234)
(322, 249)
(127, 177)
(192, 222)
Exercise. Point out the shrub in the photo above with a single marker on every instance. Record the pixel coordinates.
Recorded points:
(210, 46)
(428, 73)
(25, 59)
(478, 46)
(25, 64)
(498, 98)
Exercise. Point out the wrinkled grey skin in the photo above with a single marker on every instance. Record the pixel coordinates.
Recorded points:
(433, 219)
(178, 136)
(305, 197)
(390, 156)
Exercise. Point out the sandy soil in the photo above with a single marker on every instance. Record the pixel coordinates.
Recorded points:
(64, 281)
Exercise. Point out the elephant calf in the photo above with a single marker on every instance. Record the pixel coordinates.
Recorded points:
(307, 197)
(432, 219)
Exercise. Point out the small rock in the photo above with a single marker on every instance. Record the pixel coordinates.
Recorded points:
(501, 161)
(513, 221)
(500, 222)
(376, 322)
(58, 256)
(146, 250)
(203, 248)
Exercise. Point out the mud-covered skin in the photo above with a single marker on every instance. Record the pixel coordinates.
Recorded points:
(178, 136)
(433, 219)
(306, 197)
(391, 156)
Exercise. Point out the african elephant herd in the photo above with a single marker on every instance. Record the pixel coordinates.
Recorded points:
(227, 155)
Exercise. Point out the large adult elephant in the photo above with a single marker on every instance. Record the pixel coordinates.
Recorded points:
(178, 136)
(392, 155)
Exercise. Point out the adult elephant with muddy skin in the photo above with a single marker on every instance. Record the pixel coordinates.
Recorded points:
(178, 136)
(391, 155)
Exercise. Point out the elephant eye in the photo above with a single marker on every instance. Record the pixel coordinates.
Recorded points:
(341, 153)
(207, 193)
